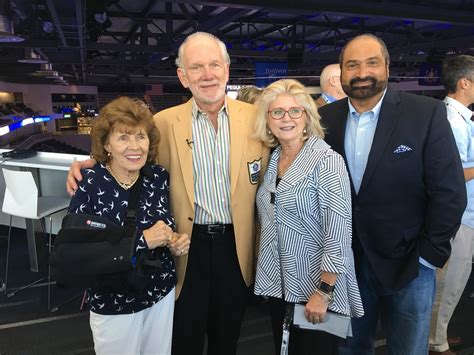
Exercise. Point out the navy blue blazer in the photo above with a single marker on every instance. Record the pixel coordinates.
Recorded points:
(412, 194)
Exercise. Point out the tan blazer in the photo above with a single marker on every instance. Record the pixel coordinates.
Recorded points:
(175, 155)
(320, 102)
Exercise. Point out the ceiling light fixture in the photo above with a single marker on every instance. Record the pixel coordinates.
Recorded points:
(6, 30)
(31, 57)
(47, 27)
(45, 69)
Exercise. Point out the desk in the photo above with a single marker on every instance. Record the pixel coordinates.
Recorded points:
(44, 167)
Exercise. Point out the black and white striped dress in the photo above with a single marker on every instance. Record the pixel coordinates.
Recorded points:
(306, 222)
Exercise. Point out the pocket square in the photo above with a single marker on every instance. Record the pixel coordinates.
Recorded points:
(402, 149)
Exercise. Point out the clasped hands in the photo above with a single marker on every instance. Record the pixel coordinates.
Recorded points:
(161, 235)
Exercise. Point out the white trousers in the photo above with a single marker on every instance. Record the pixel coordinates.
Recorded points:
(450, 283)
(146, 332)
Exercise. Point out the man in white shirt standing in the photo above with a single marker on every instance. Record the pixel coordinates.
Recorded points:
(330, 82)
(458, 79)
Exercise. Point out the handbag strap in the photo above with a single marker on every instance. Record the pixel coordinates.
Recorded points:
(133, 201)
(148, 259)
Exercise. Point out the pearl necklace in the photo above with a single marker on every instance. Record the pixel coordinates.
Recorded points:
(122, 184)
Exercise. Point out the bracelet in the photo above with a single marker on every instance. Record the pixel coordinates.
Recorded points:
(327, 298)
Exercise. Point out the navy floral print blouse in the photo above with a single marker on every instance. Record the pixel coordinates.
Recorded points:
(100, 194)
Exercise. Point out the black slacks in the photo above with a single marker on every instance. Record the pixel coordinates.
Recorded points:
(213, 298)
(302, 341)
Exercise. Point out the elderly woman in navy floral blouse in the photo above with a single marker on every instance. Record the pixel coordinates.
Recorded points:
(124, 142)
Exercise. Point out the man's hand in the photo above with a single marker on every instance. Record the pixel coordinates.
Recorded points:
(74, 174)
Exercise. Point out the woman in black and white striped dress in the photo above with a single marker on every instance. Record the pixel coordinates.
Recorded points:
(304, 206)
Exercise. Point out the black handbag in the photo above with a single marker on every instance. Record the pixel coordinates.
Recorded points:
(88, 247)
(92, 251)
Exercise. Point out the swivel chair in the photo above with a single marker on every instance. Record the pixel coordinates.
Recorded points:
(22, 200)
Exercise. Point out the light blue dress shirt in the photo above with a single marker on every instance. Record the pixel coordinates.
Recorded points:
(459, 117)
(360, 131)
(328, 98)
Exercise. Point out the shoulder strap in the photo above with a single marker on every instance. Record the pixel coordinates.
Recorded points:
(133, 201)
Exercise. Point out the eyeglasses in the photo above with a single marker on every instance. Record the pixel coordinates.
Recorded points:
(293, 112)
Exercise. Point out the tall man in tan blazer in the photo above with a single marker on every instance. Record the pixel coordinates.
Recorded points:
(214, 167)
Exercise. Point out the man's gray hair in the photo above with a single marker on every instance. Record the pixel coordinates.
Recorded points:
(455, 68)
(180, 58)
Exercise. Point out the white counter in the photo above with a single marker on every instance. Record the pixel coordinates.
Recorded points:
(44, 160)
(50, 171)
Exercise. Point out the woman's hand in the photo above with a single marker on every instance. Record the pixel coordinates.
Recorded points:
(158, 235)
(74, 174)
(316, 308)
(179, 244)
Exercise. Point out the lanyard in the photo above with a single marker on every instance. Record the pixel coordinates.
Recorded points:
(289, 310)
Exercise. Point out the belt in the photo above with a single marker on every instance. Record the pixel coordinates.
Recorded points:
(213, 228)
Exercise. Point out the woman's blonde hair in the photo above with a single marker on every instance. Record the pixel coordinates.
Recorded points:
(123, 112)
(298, 91)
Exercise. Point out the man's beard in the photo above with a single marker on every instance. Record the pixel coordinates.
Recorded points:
(209, 100)
(366, 91)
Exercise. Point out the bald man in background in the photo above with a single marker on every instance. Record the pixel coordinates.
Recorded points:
(330, 82)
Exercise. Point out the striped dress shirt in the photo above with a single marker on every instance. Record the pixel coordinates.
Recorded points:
(307, 228)
(211, 167)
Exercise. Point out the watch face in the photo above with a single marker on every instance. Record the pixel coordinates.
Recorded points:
(325, 287)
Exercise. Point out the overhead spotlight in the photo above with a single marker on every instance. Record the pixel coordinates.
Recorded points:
(52, 75)
(6, 30)
(45, 69)
(101, 17)
(47, 27)
(31, 57)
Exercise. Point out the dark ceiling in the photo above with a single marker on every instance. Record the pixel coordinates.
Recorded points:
(137, 39)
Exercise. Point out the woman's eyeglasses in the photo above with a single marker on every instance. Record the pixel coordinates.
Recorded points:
(293, 112)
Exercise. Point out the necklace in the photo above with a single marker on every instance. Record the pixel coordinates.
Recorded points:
(123, 185)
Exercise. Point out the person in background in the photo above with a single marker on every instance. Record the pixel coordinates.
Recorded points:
(408, 196)
(214, 167)
(458, 79)
(124, 140)
(77, 109)
(249, 94)
(304, 204)
(330, 83)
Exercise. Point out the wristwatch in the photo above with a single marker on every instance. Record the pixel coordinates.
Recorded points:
(325, 287)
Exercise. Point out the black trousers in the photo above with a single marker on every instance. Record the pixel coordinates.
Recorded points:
(302, 341)
(213, 298)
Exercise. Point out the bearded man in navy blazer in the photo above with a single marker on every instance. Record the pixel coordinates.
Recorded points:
(408, 196)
